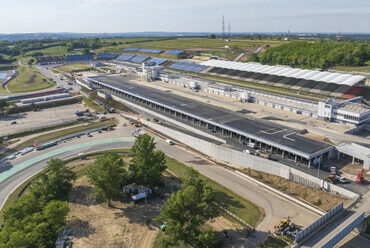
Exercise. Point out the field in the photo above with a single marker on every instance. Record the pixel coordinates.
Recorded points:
(71, 68)
(365, 68)
(28, 80)
(52, 51)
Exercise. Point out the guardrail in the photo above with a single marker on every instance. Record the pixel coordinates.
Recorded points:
(305, 232)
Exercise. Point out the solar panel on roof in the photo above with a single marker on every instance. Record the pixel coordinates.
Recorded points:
(132, 49)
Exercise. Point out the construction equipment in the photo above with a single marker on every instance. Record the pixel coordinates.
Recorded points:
(330, 179)
(360, 178)
(285, 226)
(263, 154)
(137, 123)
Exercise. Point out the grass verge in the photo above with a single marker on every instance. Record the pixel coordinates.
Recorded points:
(28, 80)
(92, 105)
(239, 206)
(273, 242)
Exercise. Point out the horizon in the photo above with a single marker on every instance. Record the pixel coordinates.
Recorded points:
(127, 16)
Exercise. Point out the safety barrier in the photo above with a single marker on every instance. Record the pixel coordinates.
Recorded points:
(339, 236)
(305, 232)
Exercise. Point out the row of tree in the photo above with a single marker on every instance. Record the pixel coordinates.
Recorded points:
(315, 54)
(108, 173)
(186, 211)
(36, 218)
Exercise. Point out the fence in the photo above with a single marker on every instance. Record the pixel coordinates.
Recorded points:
(339, 236)
(230, 156)
(305, 232)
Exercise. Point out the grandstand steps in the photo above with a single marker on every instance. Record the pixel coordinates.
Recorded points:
(168, 63)
(298, 85)
(340, 90)
(207, 70)
(351, 92)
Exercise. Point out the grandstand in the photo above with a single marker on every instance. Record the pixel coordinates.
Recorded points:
(324, 83)
(146, 50)
(157, 61)
(139, 58)
(79, 57)
(107, 56)
(175, 52)
(131, 49)
(189, 67)
(49, 59)
(125, 57)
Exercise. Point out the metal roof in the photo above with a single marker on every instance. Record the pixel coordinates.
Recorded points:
(326, 77)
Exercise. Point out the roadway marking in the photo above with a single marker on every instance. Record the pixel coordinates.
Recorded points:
(265, 131)
(282, 130)
(6, 174)
(285, 136)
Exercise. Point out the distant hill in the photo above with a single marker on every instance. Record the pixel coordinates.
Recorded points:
(33, 36)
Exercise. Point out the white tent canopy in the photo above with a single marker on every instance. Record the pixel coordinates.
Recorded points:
(326, 77)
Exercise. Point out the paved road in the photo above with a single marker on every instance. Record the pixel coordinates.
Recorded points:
(339, 224)
(30, 164)
(275, 208)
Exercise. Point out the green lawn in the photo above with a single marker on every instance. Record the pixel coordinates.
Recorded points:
(72, 67)
(365, 68)
(92, 105)
(241, 207)
(28, 80)
(53, 51)
(273, 242)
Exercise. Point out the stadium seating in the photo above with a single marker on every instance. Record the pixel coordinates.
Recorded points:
(318, 87)
(145, 50)
(340, 90)
(328, 89)
(79, 57)
(308, 85)
(176, 52)
(157, 61)
(139, 58)
(190, 67)
(125, 57)
(131, 49)
(107, 56)
(351, 92)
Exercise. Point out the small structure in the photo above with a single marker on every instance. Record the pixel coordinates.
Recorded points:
(63, 242)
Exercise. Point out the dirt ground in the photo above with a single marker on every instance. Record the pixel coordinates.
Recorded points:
(296, 190)
(125, 225)
(352, 170)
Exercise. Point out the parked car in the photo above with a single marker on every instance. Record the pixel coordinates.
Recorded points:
(13, 122)
(247, 151)
(343, 180)
(170, 142)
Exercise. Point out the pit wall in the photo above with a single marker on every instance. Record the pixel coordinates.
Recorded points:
(230, 156)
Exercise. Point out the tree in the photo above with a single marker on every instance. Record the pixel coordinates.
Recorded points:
(186, 212)
(108, 175)
(30, 61)
(254, 58)
(55, 181)
(147, 164)
(3, 104)
(86, 51)
(212, 36)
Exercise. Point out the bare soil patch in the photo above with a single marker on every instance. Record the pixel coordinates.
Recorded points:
(297, 190)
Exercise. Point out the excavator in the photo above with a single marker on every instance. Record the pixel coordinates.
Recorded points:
(360, 178)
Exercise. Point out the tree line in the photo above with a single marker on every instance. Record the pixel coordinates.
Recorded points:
(36, 218)
(321, 54)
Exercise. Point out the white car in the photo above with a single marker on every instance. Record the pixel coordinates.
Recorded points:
(170, 142)
(343, 180)
(247, 151)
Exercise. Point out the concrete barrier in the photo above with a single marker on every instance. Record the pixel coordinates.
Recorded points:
(230, 156)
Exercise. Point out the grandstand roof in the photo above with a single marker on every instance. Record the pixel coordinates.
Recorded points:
(326, 77)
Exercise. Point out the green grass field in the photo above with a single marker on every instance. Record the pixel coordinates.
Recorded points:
(72, 67)
(28, 80)
(53, 51)
(365, 68)
(241, 207)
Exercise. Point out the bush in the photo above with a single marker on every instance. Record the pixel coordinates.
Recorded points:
(283, 188)
(271, 181)
(305, 194)
(318, 203)
(249, 171)
(260, 175)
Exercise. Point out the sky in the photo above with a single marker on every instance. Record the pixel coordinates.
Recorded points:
(111, 16)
